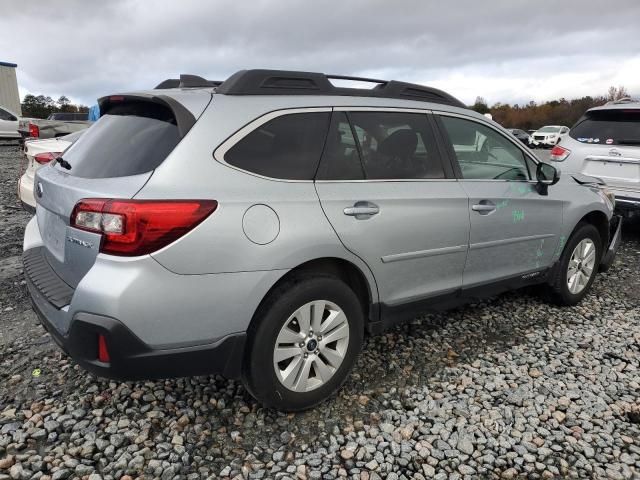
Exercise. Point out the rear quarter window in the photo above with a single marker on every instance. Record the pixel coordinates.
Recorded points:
(288, 147)
(130, 139)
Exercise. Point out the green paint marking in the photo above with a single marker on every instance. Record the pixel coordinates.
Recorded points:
(518, 215)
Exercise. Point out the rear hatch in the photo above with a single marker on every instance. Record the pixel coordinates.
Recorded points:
(113, 159)
(613, 137)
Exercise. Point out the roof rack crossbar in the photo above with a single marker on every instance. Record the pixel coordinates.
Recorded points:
(283, 82)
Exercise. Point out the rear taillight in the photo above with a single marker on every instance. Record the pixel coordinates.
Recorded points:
(44, 158)
(139, 227)
(558, 153)
(34, 131)
(103, 351)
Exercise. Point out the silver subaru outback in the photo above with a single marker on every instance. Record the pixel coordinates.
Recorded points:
(259, 227)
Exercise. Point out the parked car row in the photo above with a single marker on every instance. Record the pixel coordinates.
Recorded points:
(545, 137)
(260, 226)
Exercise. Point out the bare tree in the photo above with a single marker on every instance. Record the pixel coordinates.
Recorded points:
(616, 93)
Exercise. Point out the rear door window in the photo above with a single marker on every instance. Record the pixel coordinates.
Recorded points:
(610, 127)
(130, 139)
(288, 147)
(396, 145)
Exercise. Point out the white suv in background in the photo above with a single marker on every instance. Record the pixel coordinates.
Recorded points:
(605, 143)
(549, 135)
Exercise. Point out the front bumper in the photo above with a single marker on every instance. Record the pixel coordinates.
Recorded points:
(615, 237)
(130, 357)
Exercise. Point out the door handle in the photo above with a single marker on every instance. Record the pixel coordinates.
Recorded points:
(362, 210)
(484, 207)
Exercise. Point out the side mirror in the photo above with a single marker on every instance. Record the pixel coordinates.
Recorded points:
(546, 175)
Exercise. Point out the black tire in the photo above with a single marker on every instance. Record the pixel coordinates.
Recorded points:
(558, 289)
(259, 375)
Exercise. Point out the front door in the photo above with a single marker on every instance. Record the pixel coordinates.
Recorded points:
(514, 229)
(392, 202)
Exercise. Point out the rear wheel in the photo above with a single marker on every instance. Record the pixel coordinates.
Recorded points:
(577, 266)
(305, 339)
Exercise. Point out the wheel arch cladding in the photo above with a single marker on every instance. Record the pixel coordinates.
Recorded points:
(337, 267)
(599, 220)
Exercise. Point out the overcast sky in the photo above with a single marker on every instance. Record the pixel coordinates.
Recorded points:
(506, 51)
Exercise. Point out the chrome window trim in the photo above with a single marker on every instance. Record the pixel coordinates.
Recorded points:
(388, 180)
(383, 109)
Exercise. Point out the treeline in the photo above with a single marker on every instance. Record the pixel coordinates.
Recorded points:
(41, 107)
(555, 112)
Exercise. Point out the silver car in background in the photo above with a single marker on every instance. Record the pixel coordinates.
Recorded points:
(260, 226)
(605, 143)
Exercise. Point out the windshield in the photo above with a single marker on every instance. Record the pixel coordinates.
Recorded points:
(549, 129)
(611, 127)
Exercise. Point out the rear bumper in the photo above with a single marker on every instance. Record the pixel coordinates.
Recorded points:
(25, 191)
(130, 357)
(615, 237)
(627, 203)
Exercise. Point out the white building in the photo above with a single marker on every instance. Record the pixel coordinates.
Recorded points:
(9, 96)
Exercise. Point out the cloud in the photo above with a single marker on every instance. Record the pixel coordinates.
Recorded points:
(508, 51)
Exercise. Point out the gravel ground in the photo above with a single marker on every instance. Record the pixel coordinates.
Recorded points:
(507, 388)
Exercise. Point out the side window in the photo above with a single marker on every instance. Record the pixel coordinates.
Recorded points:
(4, 115)
(483, 153)
(340, 160)
(287, 147)
(396, 145)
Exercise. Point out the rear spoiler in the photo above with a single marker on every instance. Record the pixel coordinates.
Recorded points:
(184, 118)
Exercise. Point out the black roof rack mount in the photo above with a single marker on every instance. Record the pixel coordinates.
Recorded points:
(187, 81)
(283, 82)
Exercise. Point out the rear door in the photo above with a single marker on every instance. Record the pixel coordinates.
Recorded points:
(393, 202)
(112, 159)
(613, 140)
(514, 230)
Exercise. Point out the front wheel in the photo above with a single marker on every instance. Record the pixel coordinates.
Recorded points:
(577, 266)
(303, 342)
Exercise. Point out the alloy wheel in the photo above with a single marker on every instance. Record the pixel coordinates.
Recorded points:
(581, 266)
(311, 346)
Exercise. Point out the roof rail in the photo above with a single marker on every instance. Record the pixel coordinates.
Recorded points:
(622, 100)
(283, 82)
(187, 81)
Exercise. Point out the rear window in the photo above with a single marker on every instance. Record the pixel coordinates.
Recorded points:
(288, 147)
(611, 127)
(129, 139)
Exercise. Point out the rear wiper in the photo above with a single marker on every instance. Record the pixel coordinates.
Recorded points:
(63, 163)
(629, 141)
